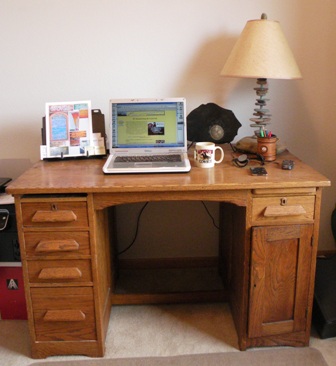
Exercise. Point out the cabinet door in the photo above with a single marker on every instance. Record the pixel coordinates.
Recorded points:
(280, 271)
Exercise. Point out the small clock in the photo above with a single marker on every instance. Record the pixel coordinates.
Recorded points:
(210, 122)
(216, 131)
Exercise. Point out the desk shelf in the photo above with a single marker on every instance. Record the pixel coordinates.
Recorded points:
(175, 285)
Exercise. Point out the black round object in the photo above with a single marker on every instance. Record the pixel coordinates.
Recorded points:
(210, 122)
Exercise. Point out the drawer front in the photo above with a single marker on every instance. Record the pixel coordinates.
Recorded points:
(58, 214)
(281, 209)
(51, 244)
(63, 314)
(59, 271)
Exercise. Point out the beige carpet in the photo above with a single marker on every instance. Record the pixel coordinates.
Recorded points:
(273, 357)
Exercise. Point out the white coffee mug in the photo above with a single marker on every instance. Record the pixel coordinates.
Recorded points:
(204, 154)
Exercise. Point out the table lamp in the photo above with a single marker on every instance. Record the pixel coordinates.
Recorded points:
(261, 52)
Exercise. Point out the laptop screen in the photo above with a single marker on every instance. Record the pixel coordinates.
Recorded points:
(148, 123)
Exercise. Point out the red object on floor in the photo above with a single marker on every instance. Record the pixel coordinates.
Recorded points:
(12, 298)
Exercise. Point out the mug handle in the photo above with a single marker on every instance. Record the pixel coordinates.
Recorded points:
(222, 154)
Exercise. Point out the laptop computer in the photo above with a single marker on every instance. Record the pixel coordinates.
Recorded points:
(147, 136)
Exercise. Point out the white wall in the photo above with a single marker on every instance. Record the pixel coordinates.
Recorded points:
(61, 50)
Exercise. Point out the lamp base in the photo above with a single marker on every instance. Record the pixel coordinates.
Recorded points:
(262, 116)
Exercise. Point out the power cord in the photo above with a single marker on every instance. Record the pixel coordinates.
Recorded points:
(190, 145)
(136, 231)
(212, 218)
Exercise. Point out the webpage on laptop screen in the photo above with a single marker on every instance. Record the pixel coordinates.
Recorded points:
(148, 124)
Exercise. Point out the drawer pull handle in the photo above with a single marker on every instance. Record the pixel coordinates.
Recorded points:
(54, 216)
(60, 273)
(275, 211)
(64, 316)
(45, 246)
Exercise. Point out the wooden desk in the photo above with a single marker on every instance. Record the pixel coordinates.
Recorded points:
(267, 248)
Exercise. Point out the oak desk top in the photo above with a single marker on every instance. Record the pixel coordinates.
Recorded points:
(86, 176)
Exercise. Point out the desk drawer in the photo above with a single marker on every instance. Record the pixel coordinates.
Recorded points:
(59, 271)
(51, 244)
(281, 209)
(63, 314)
(54, 214)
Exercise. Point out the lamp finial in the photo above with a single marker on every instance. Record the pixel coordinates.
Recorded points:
(264, 16)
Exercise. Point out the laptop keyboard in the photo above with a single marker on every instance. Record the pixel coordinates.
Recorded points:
(172, 158)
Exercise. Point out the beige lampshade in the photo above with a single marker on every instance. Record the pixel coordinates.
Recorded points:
(262, 52)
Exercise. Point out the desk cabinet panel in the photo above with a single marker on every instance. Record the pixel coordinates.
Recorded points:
(280, 279)
(63, 314)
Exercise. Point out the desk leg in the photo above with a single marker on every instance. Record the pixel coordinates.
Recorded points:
(234, 249)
